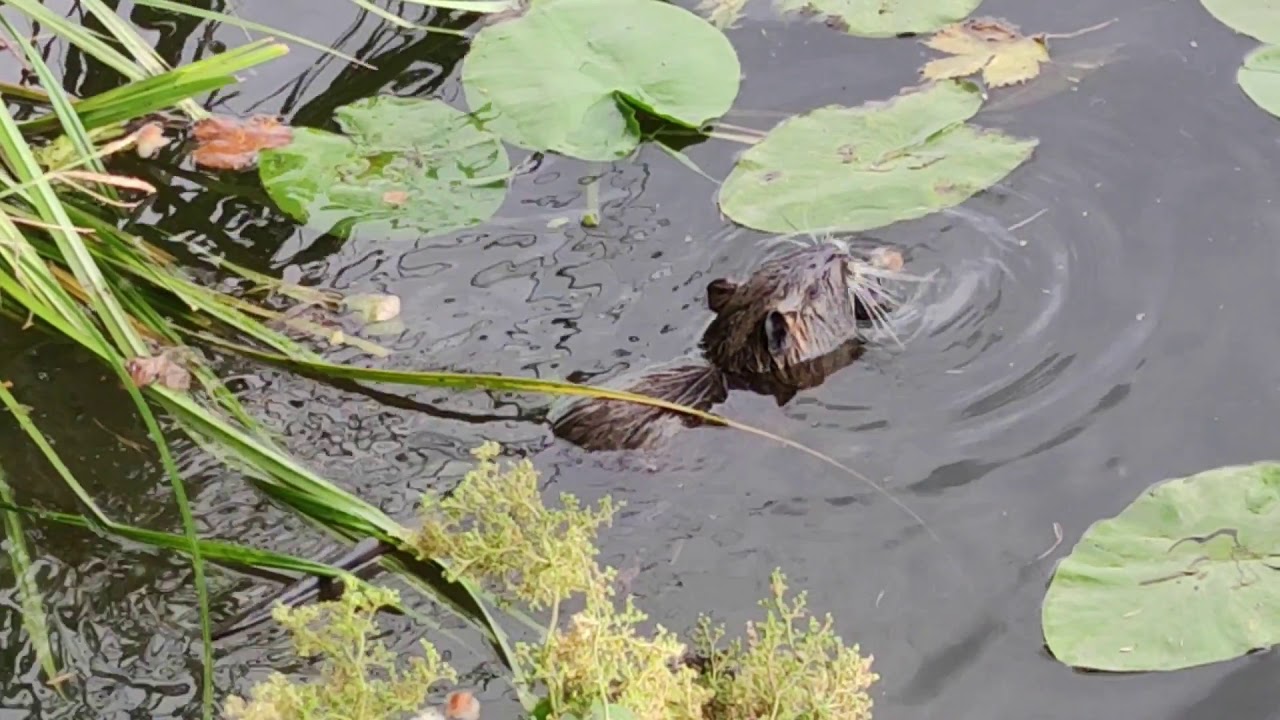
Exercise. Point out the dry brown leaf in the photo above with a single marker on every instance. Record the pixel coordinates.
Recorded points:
(120, 181)
(226, 143)
(990, 45)
(149, 139)
(158, 369)
(395, 197)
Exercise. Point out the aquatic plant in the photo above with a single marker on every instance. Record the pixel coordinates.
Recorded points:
(360, 678)
(857, 168)
(1183, 576)
(406, 168)
(494, 529)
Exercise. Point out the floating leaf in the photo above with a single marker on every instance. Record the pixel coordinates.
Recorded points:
(569, 75)
(406, 167)
(1188, 574)
(884, 18)
(1256, 18)
(226, 143)
(1259, 77)
(160, 369)
(1003, 54)
(374, 307)
(842, 168)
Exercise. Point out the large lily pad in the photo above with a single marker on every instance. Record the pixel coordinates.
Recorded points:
(882, 18)
(1256, 18)
(569, 75)
(856, 168)
(1259, 77)
(405, 168)
(1186, 575)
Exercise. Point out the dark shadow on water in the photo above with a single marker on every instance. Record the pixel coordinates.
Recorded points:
(1249, 692)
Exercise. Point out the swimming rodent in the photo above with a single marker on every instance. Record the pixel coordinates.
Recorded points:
(786, 328)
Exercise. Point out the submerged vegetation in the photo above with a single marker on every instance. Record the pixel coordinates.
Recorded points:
(597, 662)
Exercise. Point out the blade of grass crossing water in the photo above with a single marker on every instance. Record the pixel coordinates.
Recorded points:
(62, 108)
(387, 15)
(31, 273)
(79, 36)
(42, 196)
(23, 418)
(162, 91)
(476, 6)
(142, 52)
(189, 530)
(34, 616)
(248, 25)
(217, 551)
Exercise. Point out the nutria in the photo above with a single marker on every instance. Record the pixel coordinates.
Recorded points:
(786, 328)
(791, 324)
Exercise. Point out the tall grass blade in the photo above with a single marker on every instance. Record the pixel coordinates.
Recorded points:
(228, 554)
(248, 25)
(142, 52)
(387, 15)
(18, 156)
(157, 93)
(479, 381)
(23, 418)
(61, 105)
(77, 35)
(34, 616)
(453, 380)
(475, 6)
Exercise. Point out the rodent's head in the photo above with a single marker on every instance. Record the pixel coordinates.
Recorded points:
(796, 307)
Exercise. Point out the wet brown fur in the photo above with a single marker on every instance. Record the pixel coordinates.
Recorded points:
(786, 328)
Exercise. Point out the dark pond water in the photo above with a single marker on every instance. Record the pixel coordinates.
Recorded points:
(1124, 335)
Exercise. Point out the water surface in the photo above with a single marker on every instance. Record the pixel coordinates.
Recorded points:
(1122, 332)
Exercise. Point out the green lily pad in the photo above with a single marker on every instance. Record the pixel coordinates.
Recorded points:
(1259, 77)
(882, 18)
(1256, 18)
(856, 168)
(1186, 575)
(405, 168)
(569, 75)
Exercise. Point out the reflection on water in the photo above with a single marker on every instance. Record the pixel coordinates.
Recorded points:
(1099, 321)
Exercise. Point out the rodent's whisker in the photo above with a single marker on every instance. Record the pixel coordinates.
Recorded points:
(879, 319)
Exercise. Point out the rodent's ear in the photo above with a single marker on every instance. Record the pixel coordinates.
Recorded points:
(777, 332)
(718, 293)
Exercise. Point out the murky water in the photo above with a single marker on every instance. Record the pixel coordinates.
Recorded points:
(1101, 320)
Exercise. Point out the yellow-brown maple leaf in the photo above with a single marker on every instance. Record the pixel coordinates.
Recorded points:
(995, 47)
